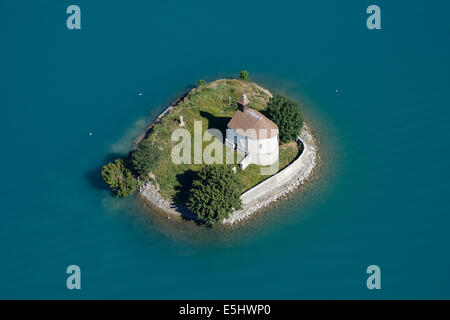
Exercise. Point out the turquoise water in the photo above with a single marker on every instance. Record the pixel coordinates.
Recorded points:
(380, 198)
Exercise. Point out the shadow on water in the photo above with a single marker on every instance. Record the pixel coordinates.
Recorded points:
(219, 123)
(94, 175)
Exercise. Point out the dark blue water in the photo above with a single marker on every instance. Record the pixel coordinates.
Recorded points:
(381, 196)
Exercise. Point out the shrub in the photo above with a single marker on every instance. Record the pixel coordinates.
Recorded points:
(119, 178)
(287, 115)
(243, 75)
(201, 82)
(215, 193)
(145, 157)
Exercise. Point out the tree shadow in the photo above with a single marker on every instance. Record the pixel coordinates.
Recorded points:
(185, 181)
(219, 123)
(182, 195)
(265, 113)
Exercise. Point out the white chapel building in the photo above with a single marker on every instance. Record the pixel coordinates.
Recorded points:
(253, 135)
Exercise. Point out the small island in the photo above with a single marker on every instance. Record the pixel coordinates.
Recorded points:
(218, 154)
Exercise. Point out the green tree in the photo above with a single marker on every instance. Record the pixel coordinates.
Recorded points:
(201, 82)
(243, 75)
(119, 178)
(215, 193)
(287, 115)
(145, 157)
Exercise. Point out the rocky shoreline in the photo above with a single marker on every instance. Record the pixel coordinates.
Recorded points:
(253, 200)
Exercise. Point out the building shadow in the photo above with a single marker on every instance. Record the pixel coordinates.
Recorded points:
(219, 123)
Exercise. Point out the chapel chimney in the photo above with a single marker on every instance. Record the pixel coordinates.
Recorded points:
(243, 103)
